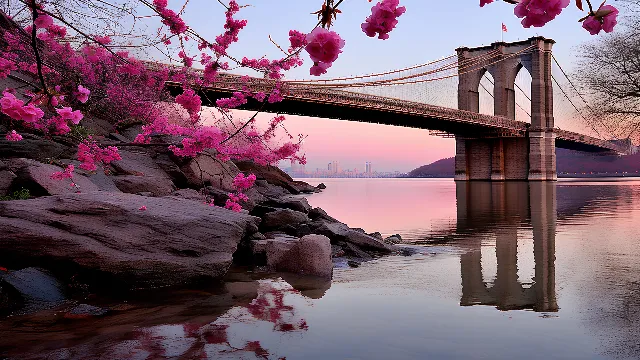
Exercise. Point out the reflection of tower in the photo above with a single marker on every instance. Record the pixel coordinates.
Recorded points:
(496, 208)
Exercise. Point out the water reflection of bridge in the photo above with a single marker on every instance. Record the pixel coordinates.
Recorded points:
(502, 207)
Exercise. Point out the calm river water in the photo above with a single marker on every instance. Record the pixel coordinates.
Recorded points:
(502, 271)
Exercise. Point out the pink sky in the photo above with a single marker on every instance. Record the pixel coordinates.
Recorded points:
(353, 143)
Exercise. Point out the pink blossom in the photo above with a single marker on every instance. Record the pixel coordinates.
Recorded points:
(31, 113)
(297, 40)
(537, 13)
(319, 69)
(485, 2)
(11, 105)
(233, 102)
(242, 183)
(13, 136)
(191, 102)
(66, 113)
(383, 19)
(233, 206)
(67, 173)
(83, 94)
(605, 19)
(324, 46)
(90, 154)
(43, 21)
(143, 208)
(6, 67)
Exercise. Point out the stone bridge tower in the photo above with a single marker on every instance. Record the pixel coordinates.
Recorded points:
(497, 156)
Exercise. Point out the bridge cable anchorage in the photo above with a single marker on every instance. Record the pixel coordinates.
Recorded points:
(582, 98)
(394, 82)
(518, 105)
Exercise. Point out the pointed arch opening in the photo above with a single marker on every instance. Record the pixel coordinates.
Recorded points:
(522, 89)
(485, 93)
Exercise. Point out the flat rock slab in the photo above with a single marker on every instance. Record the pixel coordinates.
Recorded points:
(173, 241)
(280, 218)
(36, 177)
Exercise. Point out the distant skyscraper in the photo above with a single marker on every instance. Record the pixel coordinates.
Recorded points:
(367, 167)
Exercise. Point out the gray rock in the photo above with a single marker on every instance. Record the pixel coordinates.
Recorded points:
(269, 252)
(206, 169)
(189, 194)
(393, 239)
(172, 242)
(38, 288)
(319, 214)
(138, 172)
(132, 184)
(6, 179)
(321, 186)
(172, 169)
(119, 137)
(36, 177)
(290, 202)
(131, 132)
(341, 232)
(35, 147)
(280, 218)
(310, 256)
(257, 236)
(376, 235)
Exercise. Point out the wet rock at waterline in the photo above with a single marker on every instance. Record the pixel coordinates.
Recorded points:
(173, 241)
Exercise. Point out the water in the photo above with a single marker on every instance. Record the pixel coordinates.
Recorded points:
(503, 271)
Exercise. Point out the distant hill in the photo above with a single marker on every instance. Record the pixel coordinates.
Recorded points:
(570, 164)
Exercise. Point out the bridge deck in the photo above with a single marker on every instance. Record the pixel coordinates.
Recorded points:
(325, 102)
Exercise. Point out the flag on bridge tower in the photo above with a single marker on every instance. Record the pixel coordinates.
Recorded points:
(504, 30)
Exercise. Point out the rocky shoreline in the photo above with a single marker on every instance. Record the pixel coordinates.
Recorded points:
(144, 223)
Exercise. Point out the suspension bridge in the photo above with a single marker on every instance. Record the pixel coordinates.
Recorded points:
(516, 142)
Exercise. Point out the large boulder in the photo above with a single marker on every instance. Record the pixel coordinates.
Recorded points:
(269, 252)
(6, 179)
(206, 169)
(172, 241)
(138, 172)
(341, 232)
(35, 147)
(279, 218)
(36, 177)
(311, 255)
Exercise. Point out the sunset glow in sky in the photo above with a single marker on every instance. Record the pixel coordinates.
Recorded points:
(429, 30)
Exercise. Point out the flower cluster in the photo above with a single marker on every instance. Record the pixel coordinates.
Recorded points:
(191, 102)
(241, 183)
(604, 19)
(13, 136)
(383, 19)
(169, 17)
(232, 27)
(67, 173)
(538, 13)
(90, 154)
(323, 47)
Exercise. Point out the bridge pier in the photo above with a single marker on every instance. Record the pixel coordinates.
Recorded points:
(497, 158)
